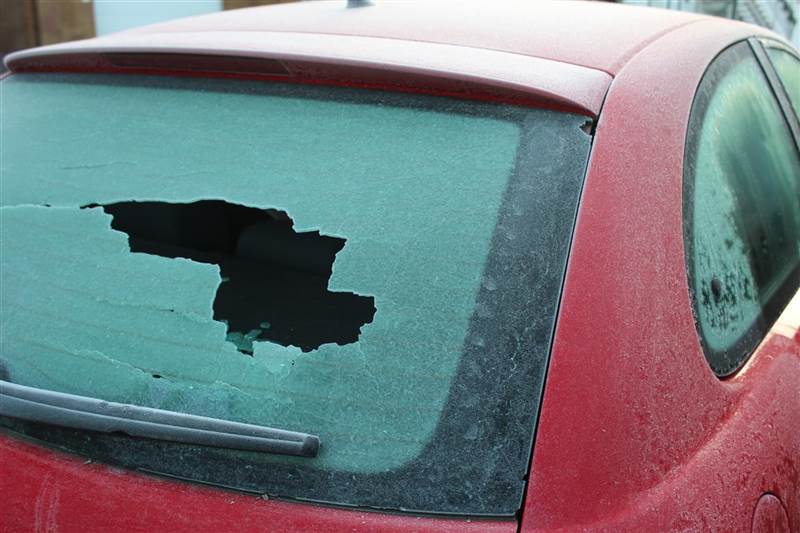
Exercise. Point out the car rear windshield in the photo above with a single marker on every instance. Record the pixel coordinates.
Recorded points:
(381, 270)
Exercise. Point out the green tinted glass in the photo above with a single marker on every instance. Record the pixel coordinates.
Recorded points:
(358, 265)
(745, 205)
(788, 67)
(111, 320)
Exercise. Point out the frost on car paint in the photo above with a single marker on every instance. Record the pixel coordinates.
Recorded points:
(82, 314)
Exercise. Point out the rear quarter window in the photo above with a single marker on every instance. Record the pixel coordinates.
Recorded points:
(742, 209)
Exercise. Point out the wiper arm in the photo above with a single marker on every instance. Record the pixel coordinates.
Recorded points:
(92, 414)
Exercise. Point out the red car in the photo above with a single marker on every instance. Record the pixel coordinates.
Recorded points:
(414, 266)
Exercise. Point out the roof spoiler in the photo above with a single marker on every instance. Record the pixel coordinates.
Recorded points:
(367, 62)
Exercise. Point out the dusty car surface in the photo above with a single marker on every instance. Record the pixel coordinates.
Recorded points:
(408, 266)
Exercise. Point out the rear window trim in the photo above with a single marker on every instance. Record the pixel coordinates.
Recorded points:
(62, 438)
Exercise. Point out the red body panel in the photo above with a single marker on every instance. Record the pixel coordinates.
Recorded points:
(44, 490)
(590, 34)
(635, 431)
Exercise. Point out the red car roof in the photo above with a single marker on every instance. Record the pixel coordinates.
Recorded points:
(597, 35)
(553, 54)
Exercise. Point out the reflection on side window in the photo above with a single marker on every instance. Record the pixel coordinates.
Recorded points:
(788, 67)
(743, 206)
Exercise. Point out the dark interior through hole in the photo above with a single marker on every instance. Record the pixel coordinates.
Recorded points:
(274, 280)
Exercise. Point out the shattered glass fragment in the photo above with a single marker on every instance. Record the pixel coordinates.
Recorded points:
(268, 270)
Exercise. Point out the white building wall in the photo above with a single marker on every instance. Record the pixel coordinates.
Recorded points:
(781, 16)
(118, 15)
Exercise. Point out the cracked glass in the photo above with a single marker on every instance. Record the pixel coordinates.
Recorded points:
(119, 237)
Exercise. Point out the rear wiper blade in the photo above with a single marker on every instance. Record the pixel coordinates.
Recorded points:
(92, 414)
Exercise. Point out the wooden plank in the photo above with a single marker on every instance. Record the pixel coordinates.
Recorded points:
(64, 20)
(17, 26)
